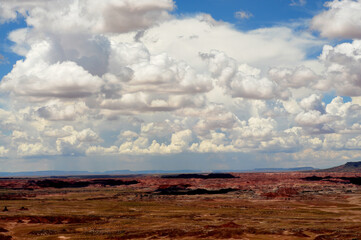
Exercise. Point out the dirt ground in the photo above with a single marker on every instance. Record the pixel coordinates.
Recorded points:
(249, 206)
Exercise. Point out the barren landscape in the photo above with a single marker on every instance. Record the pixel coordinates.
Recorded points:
(294, 205)
(170, 119)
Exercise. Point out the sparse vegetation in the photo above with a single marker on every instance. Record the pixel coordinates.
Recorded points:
(258, 206)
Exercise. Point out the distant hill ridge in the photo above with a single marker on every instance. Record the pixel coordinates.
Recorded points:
(123, 173)
(298, 169)
(347, 167)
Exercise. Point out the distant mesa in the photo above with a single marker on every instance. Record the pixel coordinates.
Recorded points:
(54, 183)
(348, 167)
(298, 169)
(345, 180)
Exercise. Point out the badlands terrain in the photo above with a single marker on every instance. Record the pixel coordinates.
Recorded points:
(290, 205)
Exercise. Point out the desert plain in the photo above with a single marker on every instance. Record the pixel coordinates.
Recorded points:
(289, 205)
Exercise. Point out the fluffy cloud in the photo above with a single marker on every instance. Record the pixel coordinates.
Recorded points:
(131, 81)
(35, 78)
(215, 142)
(75, 142)
(212, 117)
(241, 80)
(313, 102)
(343, 72)
(179, 142)
(336, 117)
(126, 77)
(294, 78)
(255, 128)
(153, 73)
(3, 151)
(88, 16)
(184, 38)
(341, 20)
(57, 111)
(33, 149)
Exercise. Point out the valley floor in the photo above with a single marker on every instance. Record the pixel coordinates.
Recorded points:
(251, 206)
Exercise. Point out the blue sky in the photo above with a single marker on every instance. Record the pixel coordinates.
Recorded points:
(161, 84)
(5, 45)
(265, 13)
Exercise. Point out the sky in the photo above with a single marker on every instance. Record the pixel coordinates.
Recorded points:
(179, 85)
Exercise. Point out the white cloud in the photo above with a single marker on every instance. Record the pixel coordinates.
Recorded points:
(256, 128)
(67, 16)
(298, 2)
(343, 73)
(212, 117)
(179, 142)
(294, 78)
(3, 151)
(184, 38)
(241, 80)
(242, 15)
(216, 142)
(134, 103)
(33, 149)
(342, 19)
(125, 77)
(57, 111)
(99, 150)
(354, 143)
(163, 74)
(34, 77)
(313, 102)
(312, 118)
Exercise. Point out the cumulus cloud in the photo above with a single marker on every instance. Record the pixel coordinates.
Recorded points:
(128, 81)
(126, 77)
(294, 78)
(335, 117)
(212, 117)
(255, 128)
(33, 149)
(99, 150)
(354, 143)
(215, 142)
(134, 103)
(242, 15)
(57, 111)
(112, 16)
(179, 142)
(3, 151)
(241, 80)
(343, 73)
(184, 38)
(313, 102)
(76, 142)
(341, 20)
(163, 74)
(35, 78)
